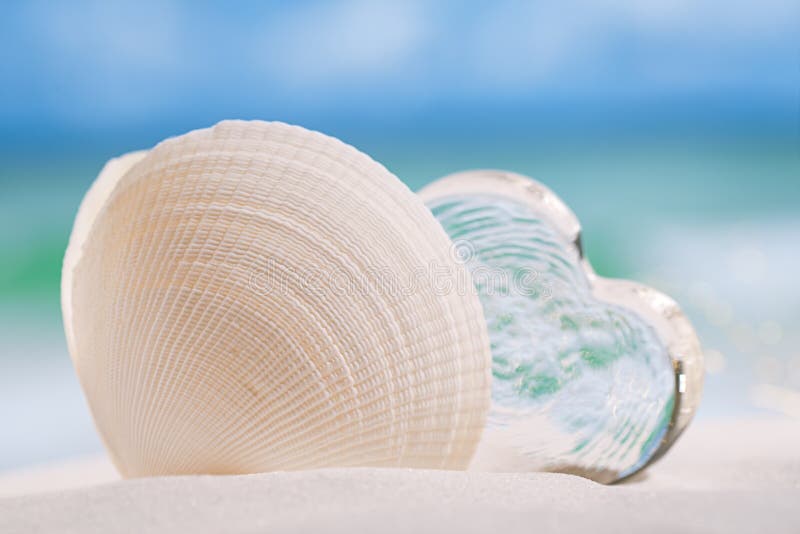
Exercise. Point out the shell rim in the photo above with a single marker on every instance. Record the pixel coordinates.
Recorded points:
(105, 186)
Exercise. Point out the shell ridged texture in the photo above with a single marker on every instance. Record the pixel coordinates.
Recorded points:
(207, 335)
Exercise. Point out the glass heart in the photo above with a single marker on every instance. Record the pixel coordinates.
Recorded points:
(590, 376)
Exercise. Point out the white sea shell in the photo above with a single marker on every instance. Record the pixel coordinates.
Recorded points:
(249, 297)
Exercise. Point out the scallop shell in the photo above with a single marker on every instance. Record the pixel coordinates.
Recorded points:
(249, 297)
(591, 376)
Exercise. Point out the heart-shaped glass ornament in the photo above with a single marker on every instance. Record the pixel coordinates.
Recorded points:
(591, 376)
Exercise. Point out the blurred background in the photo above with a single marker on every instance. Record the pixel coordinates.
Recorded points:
(672, 128)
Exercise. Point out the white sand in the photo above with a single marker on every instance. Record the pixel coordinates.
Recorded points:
(738, 476)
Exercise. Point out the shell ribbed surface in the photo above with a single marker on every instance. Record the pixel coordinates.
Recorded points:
(248, 298)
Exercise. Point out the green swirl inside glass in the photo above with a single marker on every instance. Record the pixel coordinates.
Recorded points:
(579, 385)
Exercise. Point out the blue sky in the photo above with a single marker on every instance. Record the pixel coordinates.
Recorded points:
(105, 66)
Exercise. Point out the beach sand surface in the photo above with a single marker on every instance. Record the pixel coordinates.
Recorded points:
(729, 476)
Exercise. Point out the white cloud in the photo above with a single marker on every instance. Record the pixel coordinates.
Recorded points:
(728, 19)
(664, 43)
(107, 56)
(523, 44)
(326, 43)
